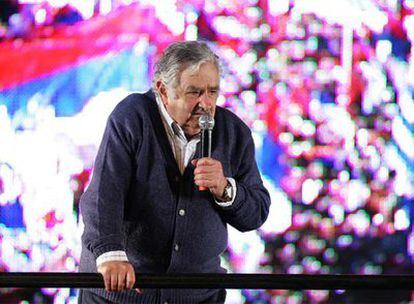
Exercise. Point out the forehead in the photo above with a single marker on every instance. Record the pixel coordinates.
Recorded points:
(206, 75)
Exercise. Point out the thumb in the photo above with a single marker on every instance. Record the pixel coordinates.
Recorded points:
(194, 162)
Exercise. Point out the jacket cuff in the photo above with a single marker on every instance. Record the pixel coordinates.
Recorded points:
(112, 256)
(107, 248)
(234, 192)
(238, 199)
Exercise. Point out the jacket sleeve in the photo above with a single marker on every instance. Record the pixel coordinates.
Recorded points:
(251, 204)
(103, 203)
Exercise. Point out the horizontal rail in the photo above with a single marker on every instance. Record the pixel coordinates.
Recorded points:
(228, 281)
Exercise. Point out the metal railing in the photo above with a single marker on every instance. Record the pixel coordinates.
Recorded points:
(228, 281)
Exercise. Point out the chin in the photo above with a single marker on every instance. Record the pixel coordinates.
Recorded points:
(191, 131)
(193, 119)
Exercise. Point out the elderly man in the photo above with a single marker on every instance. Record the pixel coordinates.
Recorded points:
(144, 211)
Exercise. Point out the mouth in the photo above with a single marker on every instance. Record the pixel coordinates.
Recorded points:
(198, 111)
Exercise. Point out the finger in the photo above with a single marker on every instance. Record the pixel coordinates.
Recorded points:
(205, 183)
(208, 176)
(201, 182)
(194, 162)
(130, 279)
(121, 281)
(114, 282)
(207, 168)
(209, 165)
(107, 281)
(139, 290)
(200, 178)
(205, 161)
(201, 188)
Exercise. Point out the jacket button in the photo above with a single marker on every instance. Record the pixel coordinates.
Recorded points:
(181, 212)
(176, 247)
(176, 178)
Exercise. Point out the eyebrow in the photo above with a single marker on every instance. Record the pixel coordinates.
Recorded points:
(193, 88)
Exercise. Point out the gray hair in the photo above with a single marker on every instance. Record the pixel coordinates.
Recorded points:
(180, 56)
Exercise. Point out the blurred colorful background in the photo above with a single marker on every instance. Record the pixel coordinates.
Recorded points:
(327, 88)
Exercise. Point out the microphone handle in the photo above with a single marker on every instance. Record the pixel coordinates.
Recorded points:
(206, 137)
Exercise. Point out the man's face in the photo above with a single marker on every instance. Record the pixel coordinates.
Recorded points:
(196, 93)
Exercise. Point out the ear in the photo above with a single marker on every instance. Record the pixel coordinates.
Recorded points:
(162, 91)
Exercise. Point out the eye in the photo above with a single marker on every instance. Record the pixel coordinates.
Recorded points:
(193, 93)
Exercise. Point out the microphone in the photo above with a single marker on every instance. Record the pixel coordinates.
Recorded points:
(206, 123)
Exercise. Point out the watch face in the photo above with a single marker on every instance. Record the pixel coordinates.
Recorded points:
(228, 193)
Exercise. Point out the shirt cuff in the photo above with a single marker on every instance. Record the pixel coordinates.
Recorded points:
(112, 256)
(234, 190)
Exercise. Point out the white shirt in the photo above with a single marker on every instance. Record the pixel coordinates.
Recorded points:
(184, 151)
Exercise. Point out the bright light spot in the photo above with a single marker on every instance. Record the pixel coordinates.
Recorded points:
(278, 7)
(295, 150)
(409, 26)
(167, 12)
(230, 26)
(306, 146)
(221, 100)
(259, 126)
(105, 6)
(375, 19)
(344, 176)
(411, 244)
(40, 16)
(272, 53)
(387, 95)
(310, 190)
(286, 138)
(337, 213)
(191, 17)
(295, 121)
(378, 219)
(409, 3)
(265, 28)
(362, 137)
(342, 99)
(249, 98)
(280, 212)
(191, 33)
(252, 12)
(357, 193)
(52, 3)
(360, 222)
(403, 137)
(401, 220)
(70, 264)
(407, 106)
(308, 128)
(295, 269)
(383, 50)
(344, 240)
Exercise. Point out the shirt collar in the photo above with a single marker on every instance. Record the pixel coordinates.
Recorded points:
(172, 126)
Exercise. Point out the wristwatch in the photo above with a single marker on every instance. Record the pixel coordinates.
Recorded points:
(227, 193)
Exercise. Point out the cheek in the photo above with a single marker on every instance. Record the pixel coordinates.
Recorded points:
(189, 107)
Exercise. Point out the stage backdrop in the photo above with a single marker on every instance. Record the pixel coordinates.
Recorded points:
(327, 89)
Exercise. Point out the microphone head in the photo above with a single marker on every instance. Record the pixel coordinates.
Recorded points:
(206, 122)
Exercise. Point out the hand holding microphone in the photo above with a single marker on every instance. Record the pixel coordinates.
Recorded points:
(208, 174)
(206, 123)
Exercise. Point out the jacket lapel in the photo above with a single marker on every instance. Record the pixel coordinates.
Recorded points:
(161, 133)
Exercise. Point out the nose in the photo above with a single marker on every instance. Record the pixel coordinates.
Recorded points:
(205, 101)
